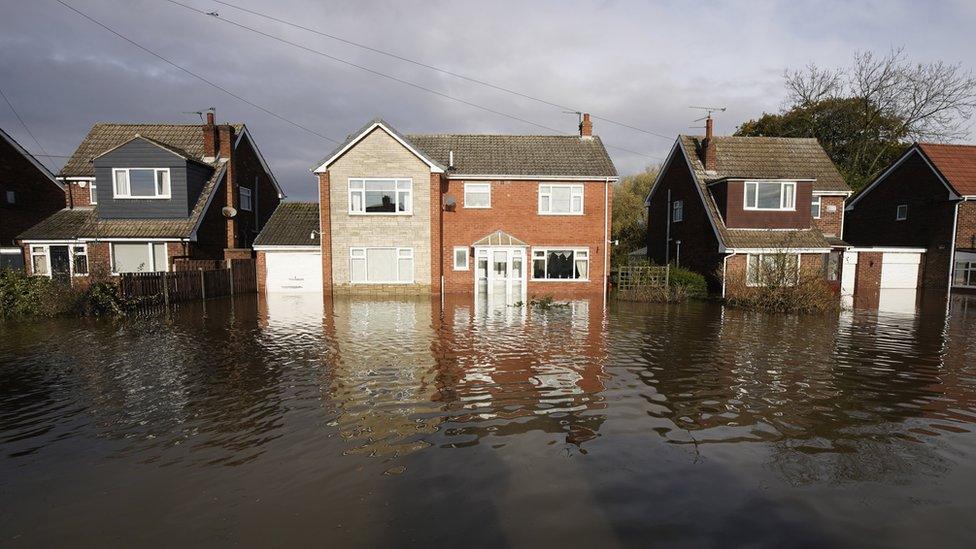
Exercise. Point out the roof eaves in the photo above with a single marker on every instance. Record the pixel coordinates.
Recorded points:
(33, 160)
(354, 138)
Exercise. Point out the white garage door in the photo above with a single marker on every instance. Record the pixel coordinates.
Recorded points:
(294, 272)
(900, 270)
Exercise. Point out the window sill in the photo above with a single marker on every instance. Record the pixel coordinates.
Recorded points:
(363, 214)
(475, 207)
(769, 209)
(374, 283)
(559, 279)
(561, 214)
(139, 198)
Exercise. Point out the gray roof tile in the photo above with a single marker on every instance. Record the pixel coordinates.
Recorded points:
(290, 225)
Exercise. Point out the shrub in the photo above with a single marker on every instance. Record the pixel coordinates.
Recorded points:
(803, 292)
(23, 296)
(691, 283)
(100, 298)
(655, 294)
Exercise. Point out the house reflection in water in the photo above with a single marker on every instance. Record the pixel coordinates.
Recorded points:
(404, 374)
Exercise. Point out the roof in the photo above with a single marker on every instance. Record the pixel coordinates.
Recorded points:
(37, 164)
(187, 139)
(550, 155)
(291, 224)
(496, 155)
(85, 223)
(499, 238)
(767, 158)
(957, 163)
(766, 239)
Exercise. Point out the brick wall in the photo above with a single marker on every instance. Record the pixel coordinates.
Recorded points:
(261, 270)
(966, 226)
(867, 280)
(36, 196)
(76, 196)
(736, 269)
(325, 231)
(380, 155)
(830, 223)
(930, 215)
(100, 259)
(514, 210)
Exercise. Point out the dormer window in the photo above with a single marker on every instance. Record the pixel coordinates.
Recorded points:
(140, 182)
(770, 195)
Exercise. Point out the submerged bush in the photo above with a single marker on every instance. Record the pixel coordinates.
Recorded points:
(784, 290)
(23, 296)
(682, 285)
(100, 298)
(691, 283)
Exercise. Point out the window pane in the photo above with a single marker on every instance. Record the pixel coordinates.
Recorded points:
(560, 264)
(544, 203)
(121, 186)
(769, 196)
(789, 191)
(380, 201)
(381, 265)
(517, 267)
(162, 182)
(403, 200)
(750, 195)
(39, 263)
(159, 255)
(538, 268)
(357, 270)
(577, 204)
(131, 257)
(80, 261)
(482, 267)
(460, 258)
(582, 267)
(355, 183)
(405, 269)
(356, 202)
(561, 198)
(815, 206)
(93, 195)
(142, 183)
(477, 196)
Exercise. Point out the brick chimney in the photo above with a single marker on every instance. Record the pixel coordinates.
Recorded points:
(708, 146)
(210, 137)
(225, 149)
(586, 127)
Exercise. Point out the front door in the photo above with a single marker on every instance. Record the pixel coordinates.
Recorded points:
(500, 274)
(60, 264)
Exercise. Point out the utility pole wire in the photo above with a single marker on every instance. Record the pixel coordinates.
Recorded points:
(195, 75)
(381, 74)
(22, 123)
(434, 68)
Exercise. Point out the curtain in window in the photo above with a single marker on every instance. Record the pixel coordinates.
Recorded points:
(131, 257)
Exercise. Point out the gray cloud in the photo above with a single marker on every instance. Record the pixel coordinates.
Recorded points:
(639, 63)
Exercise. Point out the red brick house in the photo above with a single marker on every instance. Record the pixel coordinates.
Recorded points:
(140, 196)
(28, 194)
(728, 206)
(495, 215)
(926, 199)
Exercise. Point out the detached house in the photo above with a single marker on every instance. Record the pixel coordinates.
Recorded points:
(728, 207)
(28, 194)
(140, 196)
(926, 200)
(496, 215)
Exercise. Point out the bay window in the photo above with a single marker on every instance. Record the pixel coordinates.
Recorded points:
(381, 265)
(561, 199)
(770, 195)
(477, 195)
(380, 196)
(138, 257)
(140, 183)
(561, 264)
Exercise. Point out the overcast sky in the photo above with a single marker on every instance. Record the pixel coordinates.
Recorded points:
(636, 63)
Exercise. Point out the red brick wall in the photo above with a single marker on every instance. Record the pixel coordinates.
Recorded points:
(100, 260)
(867, 280)
(36, 196)
(261, 271)
(830, 223)
(736, 269)
(738, 217)
(76, 196)
(699, 246)
(966, 226)
(325, 232)
(929, 224)
(514, 209)
(438, 184)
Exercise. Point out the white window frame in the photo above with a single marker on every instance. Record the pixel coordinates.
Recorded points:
(93, 192)
(45, 250)
(479, 188)
(783, 207)
(759, 283)
(126, 192)
(677, 211)
(245, 193)
(901, 212)
(397, 181)
(11, 197)
(545, 191)
(545, 256)
(467, 260)
(152, 256)
(968, 267)
(360, 252)
(819, 203)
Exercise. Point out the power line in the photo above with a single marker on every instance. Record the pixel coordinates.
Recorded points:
(384, 75)
(195, 75)
(435, 68)
(22, 123)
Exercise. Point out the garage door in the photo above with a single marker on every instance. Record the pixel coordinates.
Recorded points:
(900, 270)
(294, 272)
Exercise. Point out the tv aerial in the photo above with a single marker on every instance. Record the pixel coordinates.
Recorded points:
(708, 111)
(200, 113)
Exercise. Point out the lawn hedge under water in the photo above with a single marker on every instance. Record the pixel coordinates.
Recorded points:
(23, 296)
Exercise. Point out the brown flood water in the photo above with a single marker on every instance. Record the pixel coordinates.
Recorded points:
(381, 423)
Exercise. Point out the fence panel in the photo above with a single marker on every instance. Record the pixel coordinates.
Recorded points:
(187, 285)
(632, 277)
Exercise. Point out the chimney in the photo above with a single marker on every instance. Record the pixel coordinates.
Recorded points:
(209, 137)
(708, 146)
(586, 127)
(225, 149)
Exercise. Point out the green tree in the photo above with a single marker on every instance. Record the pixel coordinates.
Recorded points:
(629, 216)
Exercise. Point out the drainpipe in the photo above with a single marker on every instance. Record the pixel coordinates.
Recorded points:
(952, 248)
(667, 233)
(725, 263)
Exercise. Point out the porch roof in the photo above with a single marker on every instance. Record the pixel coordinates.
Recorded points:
(499, 238)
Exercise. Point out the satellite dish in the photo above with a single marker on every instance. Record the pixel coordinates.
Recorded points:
(449, 202)
(228, 211)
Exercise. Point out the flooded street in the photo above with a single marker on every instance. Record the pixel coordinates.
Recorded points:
(364, 422)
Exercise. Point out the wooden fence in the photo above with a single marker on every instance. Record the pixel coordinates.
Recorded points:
(188, 285)
(636, 277)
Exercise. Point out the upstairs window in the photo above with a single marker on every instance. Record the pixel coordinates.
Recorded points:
(677, 211)
(92, 193)
(11, 197)
(815, 207)
(245, 199)
(901, 213)
(477, 195)
(380, 196)
(561, 199)
(140, 182)
(770, 195)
